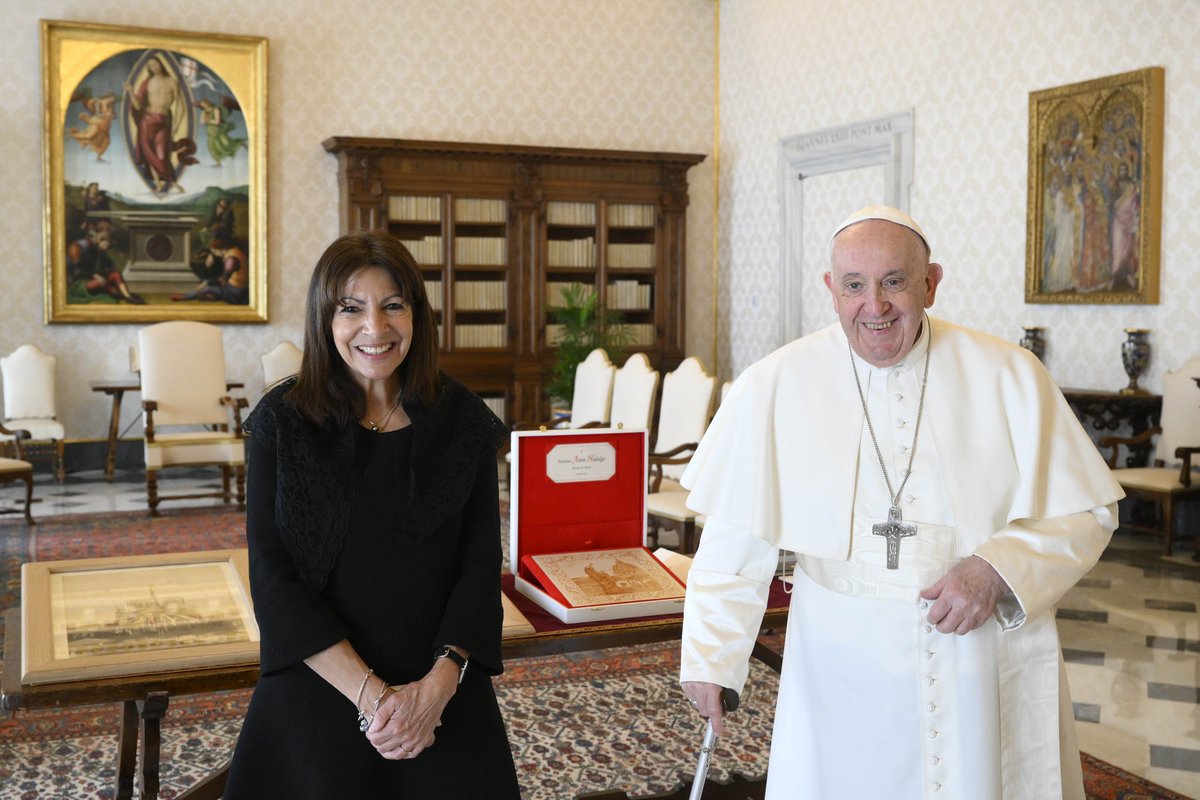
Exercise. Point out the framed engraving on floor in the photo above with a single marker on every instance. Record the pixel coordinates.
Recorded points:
(154, 174)
(135, 615)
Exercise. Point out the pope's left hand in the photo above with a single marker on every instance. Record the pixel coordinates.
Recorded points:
(965, 597)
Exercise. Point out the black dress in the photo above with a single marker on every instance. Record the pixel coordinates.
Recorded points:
(389, 594)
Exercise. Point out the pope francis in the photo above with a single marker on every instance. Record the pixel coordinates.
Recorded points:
(940, 498)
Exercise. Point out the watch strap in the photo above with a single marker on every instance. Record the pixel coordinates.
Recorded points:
(445, 651)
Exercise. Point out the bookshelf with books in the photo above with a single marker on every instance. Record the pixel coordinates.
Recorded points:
(499, 232)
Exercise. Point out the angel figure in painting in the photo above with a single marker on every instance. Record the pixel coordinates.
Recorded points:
(215, 119)
(98, 117)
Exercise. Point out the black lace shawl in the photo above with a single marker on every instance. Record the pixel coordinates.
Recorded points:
(316, 471)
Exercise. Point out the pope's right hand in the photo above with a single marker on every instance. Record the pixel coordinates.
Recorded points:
(706, 699)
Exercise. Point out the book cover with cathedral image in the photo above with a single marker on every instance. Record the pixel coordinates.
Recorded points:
(604, 577)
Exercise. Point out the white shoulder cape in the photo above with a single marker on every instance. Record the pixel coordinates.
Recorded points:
(780, 458)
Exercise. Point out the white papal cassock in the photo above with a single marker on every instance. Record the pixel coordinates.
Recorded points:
(874, 702)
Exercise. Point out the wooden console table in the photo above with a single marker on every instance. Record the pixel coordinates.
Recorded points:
(144, 698)
(1107, 411)
(116, 390)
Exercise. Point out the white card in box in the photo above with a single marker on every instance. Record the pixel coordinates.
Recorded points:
(577, 526)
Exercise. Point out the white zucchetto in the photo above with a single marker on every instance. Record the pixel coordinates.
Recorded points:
(886, 213)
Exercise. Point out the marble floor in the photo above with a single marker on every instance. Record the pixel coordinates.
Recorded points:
(1130, 632)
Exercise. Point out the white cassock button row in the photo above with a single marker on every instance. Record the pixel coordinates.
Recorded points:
(903, 448)
(899, 397)
(937, 787)
(935, 760)
(932, 707)
(930, 680)
(932, 733)
(910, 499)
(929, 654)
(928, 628)
(924, 604)
(900, 423)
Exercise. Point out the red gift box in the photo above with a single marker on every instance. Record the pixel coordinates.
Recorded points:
(584, 491)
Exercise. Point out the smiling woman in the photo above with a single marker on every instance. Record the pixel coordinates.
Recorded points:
(370, 463)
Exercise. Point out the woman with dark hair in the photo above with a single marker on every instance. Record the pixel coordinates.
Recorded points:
(374, 535)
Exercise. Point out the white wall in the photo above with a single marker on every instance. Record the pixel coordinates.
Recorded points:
(966, 67)
(620, 74)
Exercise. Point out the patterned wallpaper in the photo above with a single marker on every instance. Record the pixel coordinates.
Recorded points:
(620, 74)
(966, 68)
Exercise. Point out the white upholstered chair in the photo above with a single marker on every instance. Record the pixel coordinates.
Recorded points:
(30, 405)
(280, 362)
(684, 416)
(186, 408)
(1175, 476)
(634, 389)
(591, 401)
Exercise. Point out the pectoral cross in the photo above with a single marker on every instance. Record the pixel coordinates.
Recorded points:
(894, 529)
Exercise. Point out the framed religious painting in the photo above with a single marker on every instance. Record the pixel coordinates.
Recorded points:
(1094, 216)
(135, 615)
(154, 171)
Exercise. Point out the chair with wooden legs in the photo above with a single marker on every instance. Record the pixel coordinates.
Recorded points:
(189, 418)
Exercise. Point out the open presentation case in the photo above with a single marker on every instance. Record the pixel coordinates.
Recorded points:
(577, 514)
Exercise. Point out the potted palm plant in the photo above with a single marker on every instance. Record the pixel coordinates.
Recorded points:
(582, 326)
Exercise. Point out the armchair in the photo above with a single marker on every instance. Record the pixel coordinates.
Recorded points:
(683, 418)
(1175, 476)
(29, 404)
(280, 362)
(186, 410)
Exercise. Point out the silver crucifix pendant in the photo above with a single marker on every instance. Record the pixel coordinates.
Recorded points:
(894, 529)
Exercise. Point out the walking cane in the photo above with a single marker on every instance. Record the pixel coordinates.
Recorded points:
(729, 702)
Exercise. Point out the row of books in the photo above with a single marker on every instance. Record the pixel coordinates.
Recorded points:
(426, 250)
(481, 295)
(629, 216)
(407, 208)
(579, 214)
(640, 334)
(571, 253)
(555, 292)
(480, 336)
(433, 290)
(628, 295)
(480, 210)
(631, 255)
(481, 250)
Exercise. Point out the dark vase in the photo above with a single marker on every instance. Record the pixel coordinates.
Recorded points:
(1034, 340)
(1135, 355)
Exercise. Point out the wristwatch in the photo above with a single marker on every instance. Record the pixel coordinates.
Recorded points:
(445, 651)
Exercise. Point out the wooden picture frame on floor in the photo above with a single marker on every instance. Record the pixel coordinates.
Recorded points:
(135, 615)
(1094, 216)
(154, 174)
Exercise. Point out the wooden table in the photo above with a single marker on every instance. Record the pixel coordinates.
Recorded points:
(116, 390)
(1107, 411)
(144, 698)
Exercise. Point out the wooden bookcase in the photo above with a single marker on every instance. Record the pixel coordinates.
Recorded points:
(500, 230)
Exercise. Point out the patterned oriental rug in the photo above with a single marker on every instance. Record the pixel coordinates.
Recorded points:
(585, 722)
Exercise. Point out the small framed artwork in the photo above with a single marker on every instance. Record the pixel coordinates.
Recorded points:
(137, 615)
(154, 175)
(1095, 190)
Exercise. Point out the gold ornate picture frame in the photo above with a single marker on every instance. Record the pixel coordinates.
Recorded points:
(154, 173)
(135, 615)
(1095, 190)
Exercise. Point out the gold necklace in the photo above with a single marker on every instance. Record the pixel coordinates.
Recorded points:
(375, 426)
